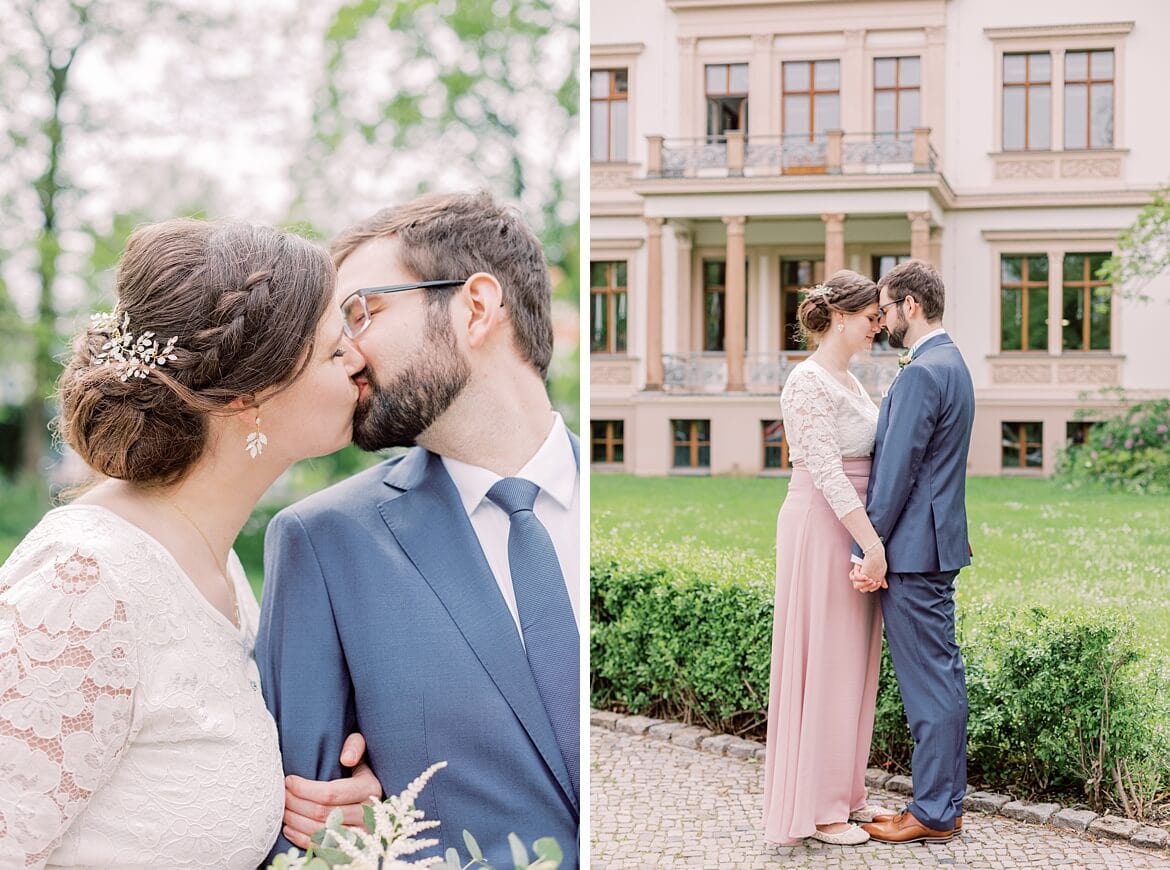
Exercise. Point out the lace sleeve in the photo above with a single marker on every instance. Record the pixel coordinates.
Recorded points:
(66, 676)
(810, 423)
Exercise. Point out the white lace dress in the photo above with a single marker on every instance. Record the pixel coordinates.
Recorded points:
(132, 728)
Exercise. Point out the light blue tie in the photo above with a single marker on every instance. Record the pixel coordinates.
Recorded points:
(546, 616)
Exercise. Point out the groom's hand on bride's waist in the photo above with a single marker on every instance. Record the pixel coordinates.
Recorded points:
(308, 802)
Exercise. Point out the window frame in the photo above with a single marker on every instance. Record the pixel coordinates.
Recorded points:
(611, 440)
(693, 442)
(1058, 39)
(785, 462)
(1086, 286)
(1025, 285)
(728, 94)
(1022, 446)
(900, 132)
(1088, 82)
(611, 97)
(611, 291)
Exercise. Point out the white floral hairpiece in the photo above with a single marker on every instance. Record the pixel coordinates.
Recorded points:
(818, 290)
(135, 357)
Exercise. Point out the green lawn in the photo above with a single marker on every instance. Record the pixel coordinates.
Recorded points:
(1035, 543)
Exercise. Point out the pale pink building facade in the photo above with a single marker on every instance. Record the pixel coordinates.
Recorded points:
(743, 150)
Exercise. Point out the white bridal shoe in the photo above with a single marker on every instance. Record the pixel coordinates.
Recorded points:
(869, 812)
(851, 836)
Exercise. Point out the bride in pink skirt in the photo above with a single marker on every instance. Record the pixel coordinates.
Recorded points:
(826, 636)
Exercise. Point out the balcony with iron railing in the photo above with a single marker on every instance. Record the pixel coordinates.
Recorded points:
(835, 152)
(704, 373)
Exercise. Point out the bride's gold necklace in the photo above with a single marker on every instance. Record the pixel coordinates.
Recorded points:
(231, 587)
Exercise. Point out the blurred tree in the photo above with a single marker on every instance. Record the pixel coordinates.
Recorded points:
(423, 95)
(84, 84)
(1143, 249)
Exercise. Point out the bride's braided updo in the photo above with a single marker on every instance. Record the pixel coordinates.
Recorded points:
(243, 303)
(847, 292)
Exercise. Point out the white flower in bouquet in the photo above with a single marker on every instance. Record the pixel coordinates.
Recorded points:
(390, 836)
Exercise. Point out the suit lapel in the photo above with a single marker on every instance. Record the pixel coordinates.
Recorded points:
(426, 516)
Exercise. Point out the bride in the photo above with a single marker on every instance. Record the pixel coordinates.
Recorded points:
(132, 728)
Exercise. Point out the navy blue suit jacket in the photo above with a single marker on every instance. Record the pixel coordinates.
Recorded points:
(380, 614)
(917, 486)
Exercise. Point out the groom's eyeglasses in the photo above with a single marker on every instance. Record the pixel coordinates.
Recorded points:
(355, 315)
(882, 308)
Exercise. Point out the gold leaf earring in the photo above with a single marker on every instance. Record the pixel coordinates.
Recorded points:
(257, 440)
(841, 326)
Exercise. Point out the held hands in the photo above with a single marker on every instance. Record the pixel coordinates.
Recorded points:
(307, 802)
(870, 575)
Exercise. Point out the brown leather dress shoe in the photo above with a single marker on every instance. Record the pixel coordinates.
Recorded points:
(905, 828)
(890, 817)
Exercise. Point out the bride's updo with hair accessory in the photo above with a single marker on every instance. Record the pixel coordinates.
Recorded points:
(241, 303)
(846, 292)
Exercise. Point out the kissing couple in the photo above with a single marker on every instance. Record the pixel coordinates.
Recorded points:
(425, 610)
(873, 529)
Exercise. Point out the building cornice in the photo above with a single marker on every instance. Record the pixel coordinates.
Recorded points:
(1060, 31)
(1033, 235)
(616, 49)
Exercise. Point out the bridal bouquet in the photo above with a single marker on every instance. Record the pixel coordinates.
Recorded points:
(390, 836)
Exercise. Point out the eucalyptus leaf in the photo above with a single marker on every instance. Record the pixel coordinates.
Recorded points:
(472, 846)
(368, 817)
(317, 864)
(333, 856)
(549, 849)
(452, 860)
(519, 853)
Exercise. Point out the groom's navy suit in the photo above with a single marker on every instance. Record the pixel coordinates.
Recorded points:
(381, 615)
(916, 502)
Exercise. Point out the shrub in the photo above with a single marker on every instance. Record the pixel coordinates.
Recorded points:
(1130, 451)
(1058, 702)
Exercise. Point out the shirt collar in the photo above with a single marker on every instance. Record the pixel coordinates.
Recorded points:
(552, 468)
(914, 347)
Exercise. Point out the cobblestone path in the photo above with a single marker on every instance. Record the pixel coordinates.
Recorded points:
(654, 804)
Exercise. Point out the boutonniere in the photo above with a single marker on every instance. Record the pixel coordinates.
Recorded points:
(904, 360)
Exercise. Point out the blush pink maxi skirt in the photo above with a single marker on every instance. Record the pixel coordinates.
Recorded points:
(826, 649)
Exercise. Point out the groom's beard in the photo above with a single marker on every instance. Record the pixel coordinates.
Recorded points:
(395, 415)
(897, 333)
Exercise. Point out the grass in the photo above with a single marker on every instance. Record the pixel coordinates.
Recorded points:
(1035, 543)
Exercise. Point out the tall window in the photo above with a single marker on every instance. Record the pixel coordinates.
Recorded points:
(1023, 445)
(608, 115)
(796, 276)
(1088, 99)
(608, 438)
(1027, 101)
(882, 263)
(727, 92)
(1023, 313)
(608, 306)
(812, 97)
(714, 303)
(1087, 303)
(775, 444)
(692, 443)
(895, 96)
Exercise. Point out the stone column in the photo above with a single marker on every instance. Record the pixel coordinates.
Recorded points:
(735, 298)
(919, 235)
(654, 303)
(1055, 305)
(834, 243)
(684, 240)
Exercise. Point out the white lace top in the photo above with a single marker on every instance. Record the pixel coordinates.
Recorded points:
(132, 728)
(824, 422)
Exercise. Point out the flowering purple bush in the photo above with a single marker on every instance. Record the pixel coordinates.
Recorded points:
(1130, 451)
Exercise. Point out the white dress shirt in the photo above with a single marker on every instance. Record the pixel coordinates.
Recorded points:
(558, 505)
(914, 347)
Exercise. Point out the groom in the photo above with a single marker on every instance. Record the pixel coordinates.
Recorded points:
(431, 601)
(916, 502)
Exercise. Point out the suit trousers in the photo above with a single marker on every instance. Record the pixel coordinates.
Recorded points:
(919, 615)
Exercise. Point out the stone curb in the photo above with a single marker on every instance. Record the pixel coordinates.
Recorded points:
(1068, 818)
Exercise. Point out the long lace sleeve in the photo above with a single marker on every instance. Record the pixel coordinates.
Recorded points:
(810, 424)
(67, 671)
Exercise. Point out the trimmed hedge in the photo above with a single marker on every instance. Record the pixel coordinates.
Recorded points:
(1059, 703)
